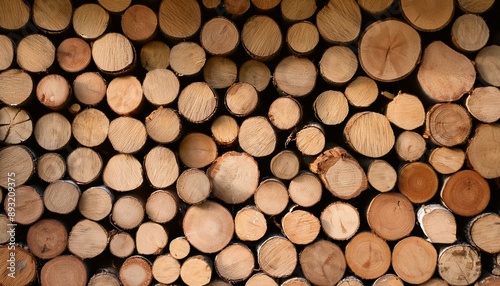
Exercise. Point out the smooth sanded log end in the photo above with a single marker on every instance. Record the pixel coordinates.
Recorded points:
(121, 245)
(368, 255)
(96, 203)
(128, 212)
(161, 206)
(410, 146)
(428, 16)
(124, 95)
(179, 247)
(323, 263)
(51, 167)
(219, 36)
(250, 224)
(90, 127)
(483, 151)
(486, 63)
(448, 124)
(89, 88)
(466, 193)
(220, 72)
(285, 165)
(179, 20)
(339, 21)
(61, 197)
(160, 86)
(255, 73)
(437, 223)
(73, 54)
(197, 150)
(155, 55)
(84, 165)
(166, 269)
(28, 205)
(414, 259)
(241, 99)
(305, 189)
(196, 270)
(139, 23)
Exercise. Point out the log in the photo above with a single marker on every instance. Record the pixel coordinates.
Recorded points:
(300, 227)
(124, 95)
(197, 150)
(459, 264)
(161, 206)
(437, 223)
(285, 165)
(155, 55)
(368, 255)
(338, 65)
(105, 276)
(136, 270)
(18, 160)
(255, 73)
(4, 226)
(310, 139)
(470, 33)
(161, 167)
(480, 104)
(160, 86)
(489, 281)
(16, 125)
(220, 72)
(428, 16)
(296, 281)
(122, 173)
(73, 54)
(277, 257)
(15, 15)
(435, 282)
(285, 112)
(257, 136)
(127, 134)
(375, 7)
(35, 53)
(96, 203)
(115, 6)
(187, 58)
(178, 20)
(166, 269)
(381, 175)
(414, 259)
(334, 163)
(447, 124)
(90, 20)
(305, 189)
(6, 52)
(27, 205)
(323, 263)
(51, 167)
(224, 130)
(197, 102)
(261, 37)
(418, 182)
(485, 63)
(295, 76)
(150, 238)
(47, 238)
(163, 125)
(234, 263)
(250, 224)
(296, 10)
(379, 55)
(17, 87)
(61, 197)
(24, 266)
(406, 111)
(340, 220)
(241, 99)
(219, 36)
(113, 54)
(350, 281)
(87, 239)
(179, 247)
(128, 212)
(482, 232)
(447, 160)
(496, 264)
(84, 165)
(90, 127)
(89, 88)
(483, 151)
(196, 270)
(53, 91)
(121, 244)
(302, 37)
(331, 107)
(261, 278)
(53, 16)
(64, 270)
(474, 6)
(361, 92)
(465, 193)
(271, 197)
(339, 21)
(388, 280)
(193, 186)
(139, 23)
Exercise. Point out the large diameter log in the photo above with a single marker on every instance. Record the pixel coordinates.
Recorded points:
(300, 227)
(277, 257)
(379, 55)
(339, 21)
(87, 239)
(47, 238)
(151, 238)
(368, 255)
(447, 160)
(128, 212)
(437, 223)
(35, 53)
(466, 193)
(96, 203)
(123, 173)
(27, 205)
(14, 15)
(161, 167)
(418, 182)
(271, 197)
(61, 197)
(261, 37)
(17, 87)
(16, 125)
(18, 160)
(219, 36)
(414, 259)
(155, 55)
(64, 270)
(295, 76)
(197, 102)
(340, 220)
(250, 224)
(234, 263)
(323, 263)
(136, 271)
(448, 124)
(459, 264)
(428, 15)
(481, 104)
(470, 33)
(482, 232)
(22, 271)
(90, 21)
(139, 23)
(179, 20)
(113, 53)
(483, 151)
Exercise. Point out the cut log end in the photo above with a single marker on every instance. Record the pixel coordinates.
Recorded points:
(271, 197)
(368, 255)
(136, 270)
(437, 223)
(466, 193)
(64, 269)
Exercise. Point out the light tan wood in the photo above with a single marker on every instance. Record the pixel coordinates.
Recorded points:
(339, 21)
(208, 226)
(53, 91)
(197, 150)
(486, 64)
(466, 193)
(250, 224)
(87, 239)
(447, 160)
(297, 10)
(260, 278)
(128, 212)
(4, 227)
(113, 53)
(310, 139)
(475, 6)
(179, 20)
(136, 271)
(122, 173)
(139, 23)
(6, 52)
(305, 189)
(481, 102)
(15, 125)
(368, 255)
(410, 146)
(350, 281)
(406, 111)
(295, 76)
(418, 182)
(414, 259)
(127, 134)
(261, 37)
(331, 107)
(218, 283)
(296, 281)
(459, 264)
(302, 37)
(89, 88)
(161, 206)
(483, 151)
(64, 269)
(388, 280)
(161, 167)
(448, 124)
(482, 232)
(73, 54)
(27, 205)
(338, 65)
(285, 165)
(155, 55)
(90, 21)
(234, 263)
(211, 4)
(257, 137)
(166, 269)
(300, 227)
(163, 125)
(196, 270)
(219, 36)
(84, 165)
(121, 244)
(435, 282)
(51, 167)
(237, 7)
(61, 197)
(362, 91)
(124, 95)
(375, 7)
(47, 238)
(197, 102)
(179, 247)
(15, 14)
(277, 257)
(255, 73)
(187, 58)
(336, 163)
(271, 197)
(193, 186)
(160, 86)
(96, 203)
(220, 72)
(340, 220)
(437, 223)
(391, 216)
(285, 112)
(150, 239)
(115, 6)
(17, 87)
(469, 33)
(53, 16)
(428, 15)
(381, 175)
(105, 276)
(19, 160)
(224, 130)
(90, 127)
(35, 53)
(241, 99)
(323, 263)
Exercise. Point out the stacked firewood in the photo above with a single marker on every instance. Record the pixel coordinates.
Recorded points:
(249, 142)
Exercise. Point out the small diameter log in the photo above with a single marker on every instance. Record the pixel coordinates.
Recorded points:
(428, 16)
(163, 125)
(323, 263)
(350, 281)
(375, 7)
(300, 227)
(90, 127)
(155, 55)
(64, 270)
(6, 52)
(483, 151)
(53, 16)
(161, 167)
(255, 73)
(388, 280)
(414, 259)
(87, 239)
(234, 263)
(51, 167)
(285, 165)
(482, 232)
(339, 21)
(277, 257)
(261, 37)
(197, 150)
(368, 255)
(437, 223)
(466, 193)
(261, 278)
(241, 99)
(14, 15)
(136, 271)
(331, 107)
(381, 175)
(257, 136)
(302, 37)
(73, 54)
(406, 111)
(15, 125)
(27, 205)
(418, 182)
(96, 203)
(219, 36)
(459, 264)
(340, 220)
(361, 92)
(310, 139)
(220, 72)
(391, 216)
(234, 177)
(470, 33)
(160, 86)
(22, 271)
(18, 160)
(151, 238)
(296, 281)
(127, 135)
(47, 238)
(17, 87)
(89, 88)
(474, 6)
(389, 50)
(271, 197)
(410, 146)
(187, 58)
(90, 21)
(139, 23)
(197, 102)
(305, 189)
(481, 102)
(196, 270)
(128, 212)
(123, 173)
(448, 124)
(447, 160)
(84, 165)
(115, 6)
(179, 247)
(295, 76)
(224, 130)
(179, 20)
(53, 91)
(121, 244)
(113, 53)
(161, 206)
(297, 10)
(250, 224)
(338, 65)
(336, 163)
(124, 95)
(208, 226)
(166, 269)
(106, 276)
(61, 197)
(193, 186)
(285, 112)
